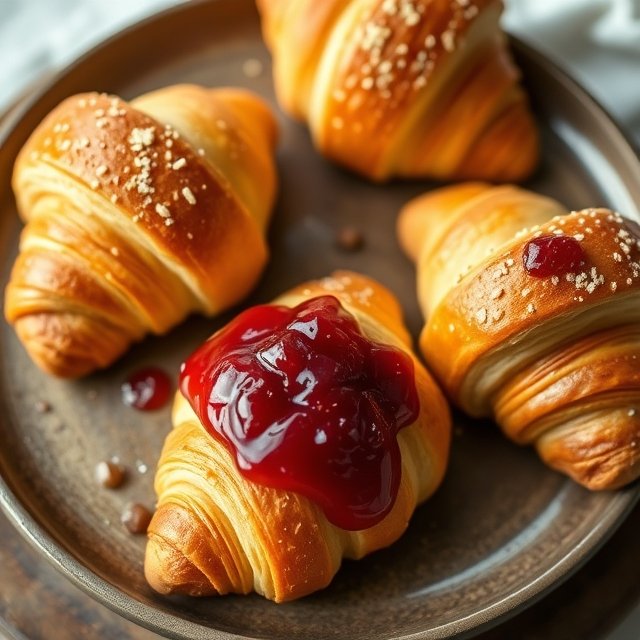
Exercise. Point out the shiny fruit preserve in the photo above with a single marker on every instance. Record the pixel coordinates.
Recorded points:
(552, 255)
(306, 403)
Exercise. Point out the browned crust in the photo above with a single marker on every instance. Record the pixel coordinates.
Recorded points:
(554, 359)
(480, 320)
(130, 227)
(580, 406)
(88, 132)
(390, 106)
(602, 453)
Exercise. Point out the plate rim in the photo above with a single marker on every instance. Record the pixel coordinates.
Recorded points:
(169, 625)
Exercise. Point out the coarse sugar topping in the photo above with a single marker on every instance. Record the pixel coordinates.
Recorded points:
(398, 44)
(142, 149)
(609, 265)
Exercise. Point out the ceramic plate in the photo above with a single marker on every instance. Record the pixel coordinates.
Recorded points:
(501, 531)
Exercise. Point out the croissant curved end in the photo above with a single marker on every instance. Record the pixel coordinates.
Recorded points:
(553, 359)
(173, 535)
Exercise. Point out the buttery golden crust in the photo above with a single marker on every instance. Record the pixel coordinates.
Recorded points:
(244, 537)
(239, 536)
(553, 359)
(577, 405)
(135, 221)
(600, 451)
(403, 87)
(499, 302)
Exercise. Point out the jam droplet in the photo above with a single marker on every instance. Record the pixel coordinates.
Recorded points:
(308, 404)
(147, 389)
(552, 255)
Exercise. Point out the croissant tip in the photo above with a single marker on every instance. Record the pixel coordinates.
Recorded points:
(35, 333)
(607, 477)
(61, 346)
(169, 572)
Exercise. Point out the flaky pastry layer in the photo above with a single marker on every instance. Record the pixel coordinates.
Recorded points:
(214, 532)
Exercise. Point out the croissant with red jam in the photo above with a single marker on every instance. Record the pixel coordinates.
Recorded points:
(305, 432)
(533, 318)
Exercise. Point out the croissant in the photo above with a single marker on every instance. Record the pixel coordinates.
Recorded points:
(137, 214)
(532, 318)
(408, 88)
(263, 519)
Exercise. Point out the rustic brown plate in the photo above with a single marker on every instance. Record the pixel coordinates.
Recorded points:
(502, 530)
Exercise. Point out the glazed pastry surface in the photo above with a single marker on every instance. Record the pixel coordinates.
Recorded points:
(547, 346)
(137, 214)
(410, 88)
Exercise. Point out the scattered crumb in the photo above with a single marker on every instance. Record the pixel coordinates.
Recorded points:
(141, 467)
(350, 239)
(252, 68)
(136, 518)
(109, 474)
(42, 406)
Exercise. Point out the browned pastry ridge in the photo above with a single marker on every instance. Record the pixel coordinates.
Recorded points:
(137, 214)
(554, 360)
(410, 88)
(215, 532)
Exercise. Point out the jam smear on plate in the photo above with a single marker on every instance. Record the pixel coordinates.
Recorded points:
(147, 389)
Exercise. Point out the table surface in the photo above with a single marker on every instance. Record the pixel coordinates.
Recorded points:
(590, 605)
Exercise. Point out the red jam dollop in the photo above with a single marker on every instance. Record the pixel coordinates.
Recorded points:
(147, 389)
(307, 404)
(552, 255)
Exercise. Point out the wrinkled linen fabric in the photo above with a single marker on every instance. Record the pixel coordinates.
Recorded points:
(597, 41)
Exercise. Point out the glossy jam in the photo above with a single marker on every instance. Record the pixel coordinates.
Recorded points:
(147, 389)
(552, 255)
(306, 403)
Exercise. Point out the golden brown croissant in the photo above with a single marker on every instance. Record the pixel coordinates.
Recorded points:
(412, 88)
(137, 214)
(532, 317)
(216, 530)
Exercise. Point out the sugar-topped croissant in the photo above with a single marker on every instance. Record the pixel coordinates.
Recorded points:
(410, 88)
(137, 214)
(304, 432)
(533, 318)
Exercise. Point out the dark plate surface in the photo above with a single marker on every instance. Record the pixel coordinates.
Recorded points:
(500, 532)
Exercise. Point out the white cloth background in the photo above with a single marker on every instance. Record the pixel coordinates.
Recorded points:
(597, 41)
